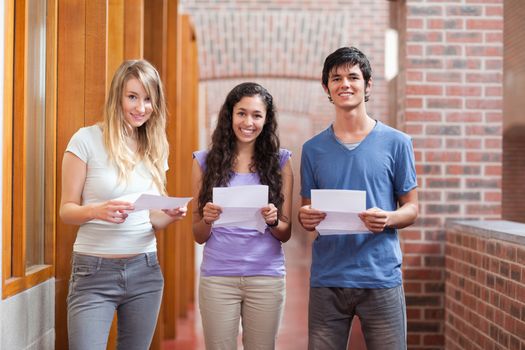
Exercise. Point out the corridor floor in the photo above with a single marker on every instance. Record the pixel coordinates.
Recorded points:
(293, 334)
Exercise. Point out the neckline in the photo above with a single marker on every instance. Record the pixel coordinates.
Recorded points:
(343, 145)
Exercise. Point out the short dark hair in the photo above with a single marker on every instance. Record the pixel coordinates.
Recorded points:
(347, 56)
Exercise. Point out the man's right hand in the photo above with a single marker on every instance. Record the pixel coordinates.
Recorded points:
(310, 218)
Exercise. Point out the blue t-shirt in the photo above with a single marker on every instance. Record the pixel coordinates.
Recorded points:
(383, 166)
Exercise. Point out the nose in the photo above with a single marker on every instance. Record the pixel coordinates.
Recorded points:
(345, 82)
(248, 120)
(141, 106)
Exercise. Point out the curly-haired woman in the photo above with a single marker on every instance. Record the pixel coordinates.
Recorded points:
(242, 273)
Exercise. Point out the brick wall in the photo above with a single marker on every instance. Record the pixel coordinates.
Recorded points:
(452, 86)
(513, 201)
(285, 43)
(485, 286)
(449, 99)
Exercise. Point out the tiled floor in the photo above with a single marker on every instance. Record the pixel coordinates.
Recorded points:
(293, 333)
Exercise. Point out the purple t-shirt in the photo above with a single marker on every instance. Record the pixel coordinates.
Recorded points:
(235, 251)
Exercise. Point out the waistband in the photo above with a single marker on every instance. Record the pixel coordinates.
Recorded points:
(150, 258)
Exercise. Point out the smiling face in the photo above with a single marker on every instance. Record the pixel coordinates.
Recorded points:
(249, 116)
(136, 104)
(346, 87)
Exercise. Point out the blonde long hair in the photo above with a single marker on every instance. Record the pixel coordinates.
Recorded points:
(152, 143)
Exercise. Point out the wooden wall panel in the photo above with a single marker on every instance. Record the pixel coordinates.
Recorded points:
(115, 37)
(96, 80)
(155, 48)
(133, 29)
(188, 143)
(70, 117)
(94, 36)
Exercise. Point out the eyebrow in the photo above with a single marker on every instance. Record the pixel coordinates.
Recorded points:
(255, 111)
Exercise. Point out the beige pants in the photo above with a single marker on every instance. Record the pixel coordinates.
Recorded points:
(257, 300)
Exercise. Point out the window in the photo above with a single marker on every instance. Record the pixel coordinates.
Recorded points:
(29, 144)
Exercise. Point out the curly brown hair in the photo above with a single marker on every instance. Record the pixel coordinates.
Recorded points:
(222, 155)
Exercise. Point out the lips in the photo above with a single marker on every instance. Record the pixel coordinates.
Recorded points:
(247, 132)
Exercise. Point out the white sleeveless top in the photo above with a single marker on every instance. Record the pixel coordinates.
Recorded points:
(133, 236)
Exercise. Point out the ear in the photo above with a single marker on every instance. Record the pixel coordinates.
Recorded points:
(368, 88)
(325, 88)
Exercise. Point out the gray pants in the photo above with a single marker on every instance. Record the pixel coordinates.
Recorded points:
(382, 313)
(99, 286)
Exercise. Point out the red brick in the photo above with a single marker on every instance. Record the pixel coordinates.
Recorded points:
(448, 77)
(484, 104)
(494, 11)
(493, 143)
(463, 90)
(463, 143)
(463, 116)
(423, 116)
(441, 156)
(422, 248)
(484, 24)
(464, 37)
(444, 103)
(414, 23)
(463, 169)
(485, 51)
(492, 197)
(492, 170)
(424, 90)
(414, 76)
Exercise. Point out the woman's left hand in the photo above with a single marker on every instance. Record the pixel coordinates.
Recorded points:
(176, 213)
(270, 214)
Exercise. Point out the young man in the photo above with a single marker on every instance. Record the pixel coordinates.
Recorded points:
(358, 274)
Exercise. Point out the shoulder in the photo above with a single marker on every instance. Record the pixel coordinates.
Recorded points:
(319, 139)
(392, 134)
(200, 156)
(284, 155)
(88, 133)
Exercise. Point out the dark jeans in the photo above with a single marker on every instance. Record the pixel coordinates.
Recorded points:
(382, 313)
(99, 286)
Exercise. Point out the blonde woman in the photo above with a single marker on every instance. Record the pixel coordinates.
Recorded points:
(115, 266)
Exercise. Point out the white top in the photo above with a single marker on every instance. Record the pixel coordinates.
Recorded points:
(135, 235)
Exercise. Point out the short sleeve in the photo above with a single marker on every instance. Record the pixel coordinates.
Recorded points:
(79, 145)
(200, 156)
(284, 155)
(405, 178)
(307, 175)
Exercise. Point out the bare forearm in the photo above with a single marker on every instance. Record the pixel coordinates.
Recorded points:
(201, 231)
(403, 216)
(74, 214)
(283, 231)
(160, 220)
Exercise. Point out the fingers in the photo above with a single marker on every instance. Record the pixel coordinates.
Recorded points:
(120, 205)
(117, 216)
(270, 213)
(310, 218)
(176, 213)
(375, 219)
(211, 213)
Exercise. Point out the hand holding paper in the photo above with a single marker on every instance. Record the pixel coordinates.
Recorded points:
(342, 208)
(241, 206)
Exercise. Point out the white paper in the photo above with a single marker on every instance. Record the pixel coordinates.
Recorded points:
(241, 206)
(152, 201)
(342, 208)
